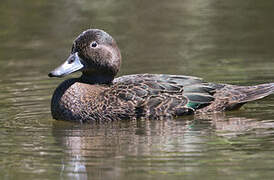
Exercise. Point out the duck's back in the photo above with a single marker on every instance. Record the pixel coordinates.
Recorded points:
(156, 96)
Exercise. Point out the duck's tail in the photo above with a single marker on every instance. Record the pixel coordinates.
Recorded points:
(243, 94)
(231, 97)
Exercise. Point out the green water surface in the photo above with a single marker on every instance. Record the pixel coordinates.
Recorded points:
(221, 41)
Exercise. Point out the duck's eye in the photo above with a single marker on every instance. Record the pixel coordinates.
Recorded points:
(93, 44)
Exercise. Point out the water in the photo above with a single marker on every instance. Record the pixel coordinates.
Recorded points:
(221, 41)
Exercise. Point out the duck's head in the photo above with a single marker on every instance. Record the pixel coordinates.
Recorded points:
(94, 53)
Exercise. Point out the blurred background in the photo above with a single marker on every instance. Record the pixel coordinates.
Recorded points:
(221, 41)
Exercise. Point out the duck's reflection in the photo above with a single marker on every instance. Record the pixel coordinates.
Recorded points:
(118, 148)
(74, 169)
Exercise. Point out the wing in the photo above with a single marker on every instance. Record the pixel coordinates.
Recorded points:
(154, 95)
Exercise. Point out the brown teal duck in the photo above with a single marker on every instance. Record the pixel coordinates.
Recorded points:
(97, 96)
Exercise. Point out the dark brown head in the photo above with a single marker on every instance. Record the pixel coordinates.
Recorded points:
(96, 54)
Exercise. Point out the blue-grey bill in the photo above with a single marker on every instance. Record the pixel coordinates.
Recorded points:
(72, 64)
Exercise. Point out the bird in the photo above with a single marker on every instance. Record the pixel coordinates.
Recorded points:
(97, 96)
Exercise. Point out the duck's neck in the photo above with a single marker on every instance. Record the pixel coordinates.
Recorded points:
(96, 79)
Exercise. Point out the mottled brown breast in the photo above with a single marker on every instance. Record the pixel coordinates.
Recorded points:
(75, 101)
